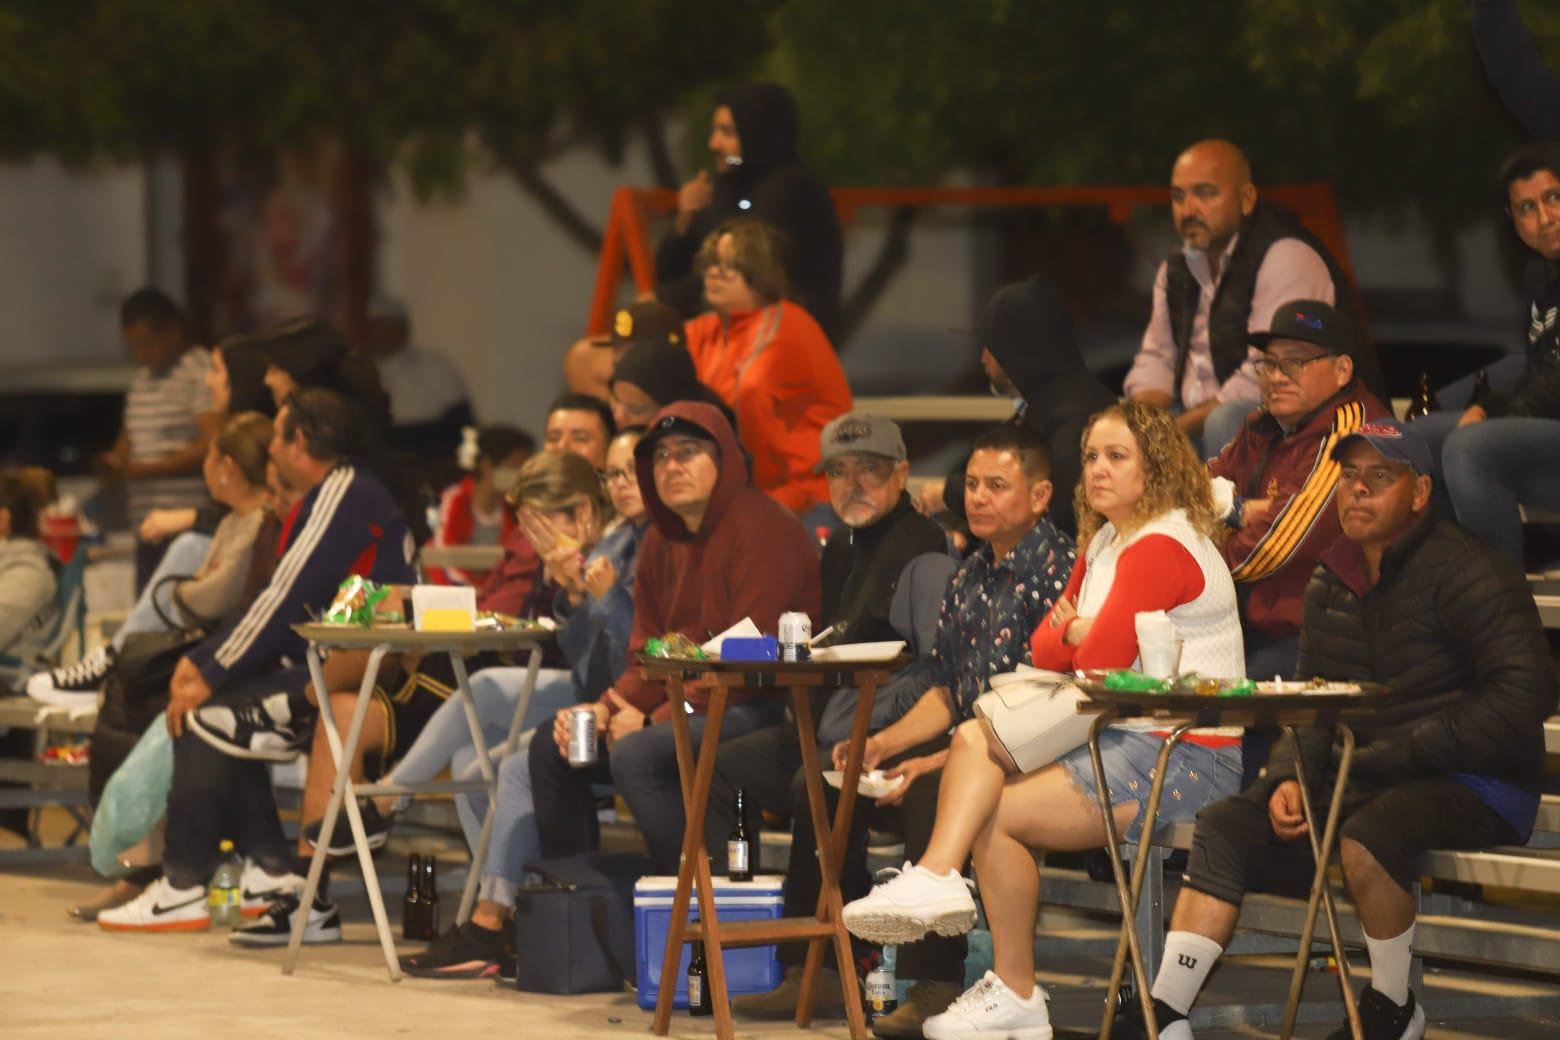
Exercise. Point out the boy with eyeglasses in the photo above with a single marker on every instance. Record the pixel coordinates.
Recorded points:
(1278, 480)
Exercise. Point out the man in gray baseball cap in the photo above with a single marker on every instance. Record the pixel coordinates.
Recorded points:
(864, 562)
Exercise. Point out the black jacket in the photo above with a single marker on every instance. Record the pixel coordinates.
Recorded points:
(772, 184)
(1452, 628)
(1028, 330)
(1229, 314)
(861, 568)
(1537, 394)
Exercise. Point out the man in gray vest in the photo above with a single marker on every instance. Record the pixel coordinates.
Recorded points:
(1240, 258)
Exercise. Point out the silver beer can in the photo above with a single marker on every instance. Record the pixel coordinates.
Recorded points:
(582, 736)
(794, 635)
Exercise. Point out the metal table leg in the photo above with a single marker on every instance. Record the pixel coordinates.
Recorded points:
(1321, 892)
(342, 791)
(1129, 939)
(468, 895)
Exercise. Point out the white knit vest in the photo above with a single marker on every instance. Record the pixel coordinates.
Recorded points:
(1209, 625)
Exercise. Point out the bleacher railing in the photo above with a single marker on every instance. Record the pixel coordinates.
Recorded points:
(627, 237)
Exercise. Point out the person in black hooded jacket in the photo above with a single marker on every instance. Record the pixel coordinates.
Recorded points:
(1029, 349)
(757, 173)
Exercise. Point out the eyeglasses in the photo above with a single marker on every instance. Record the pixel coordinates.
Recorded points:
(683, 453)
(1376, 478)
(870, 472)
(1291, 367)
(627, 476)
(723, 270)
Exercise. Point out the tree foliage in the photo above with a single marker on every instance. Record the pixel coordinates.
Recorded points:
(1385, 99)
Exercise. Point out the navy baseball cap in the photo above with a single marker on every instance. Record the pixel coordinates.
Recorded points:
(1394, 440)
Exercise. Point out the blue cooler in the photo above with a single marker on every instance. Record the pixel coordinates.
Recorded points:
(749, 969)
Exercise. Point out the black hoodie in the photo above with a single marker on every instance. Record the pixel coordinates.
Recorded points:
(1029, 332)
(773, 185)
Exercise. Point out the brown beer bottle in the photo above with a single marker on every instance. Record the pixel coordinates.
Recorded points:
(411, 903)
(1423, 402)
(698, 983)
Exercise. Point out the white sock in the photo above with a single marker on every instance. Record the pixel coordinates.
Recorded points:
(1389, 961)
(1188, 959)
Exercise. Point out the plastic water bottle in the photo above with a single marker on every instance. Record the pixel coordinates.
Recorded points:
(224, 897)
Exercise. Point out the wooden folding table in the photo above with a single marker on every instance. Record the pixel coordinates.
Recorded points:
(803, 680)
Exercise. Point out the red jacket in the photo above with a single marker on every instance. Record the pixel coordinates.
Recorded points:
(1272, 558)
(749, 558)
(779, 373)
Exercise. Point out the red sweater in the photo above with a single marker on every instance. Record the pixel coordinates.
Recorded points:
(749, 558)
(779, 373)
(1154, 573)
(457, 519)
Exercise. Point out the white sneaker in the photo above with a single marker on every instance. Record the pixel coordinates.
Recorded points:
(80, 685)
(257, 888)
(906, 907)
(161, 908)
(989, 1010)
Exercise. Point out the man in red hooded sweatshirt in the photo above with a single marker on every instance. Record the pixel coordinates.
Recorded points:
(718, 551)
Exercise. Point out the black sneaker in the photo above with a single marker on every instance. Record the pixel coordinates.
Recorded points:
(1383, 1020)
(274, 927)
(271, 729)
(376, 829)
(1129, 1024)
(80, 684)
(466, 951)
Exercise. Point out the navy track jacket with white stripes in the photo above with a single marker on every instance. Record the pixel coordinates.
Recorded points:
(346, 519)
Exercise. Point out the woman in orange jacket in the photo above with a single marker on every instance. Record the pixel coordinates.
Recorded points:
(768, 359)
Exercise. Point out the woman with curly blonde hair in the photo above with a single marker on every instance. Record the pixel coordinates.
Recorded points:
(1145, 530)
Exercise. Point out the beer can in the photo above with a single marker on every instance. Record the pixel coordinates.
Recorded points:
(795, 632)
(878, 993)
(582, 736)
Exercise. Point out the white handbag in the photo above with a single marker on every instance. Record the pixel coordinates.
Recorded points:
(1034, 714)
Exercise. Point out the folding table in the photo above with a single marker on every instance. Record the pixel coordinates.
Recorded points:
(380, 641)
(1184, 712)
(803, 679)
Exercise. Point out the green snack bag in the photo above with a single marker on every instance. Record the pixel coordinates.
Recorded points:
(656, 647)
(1134, 682)
(1243, 688)
(355, 602)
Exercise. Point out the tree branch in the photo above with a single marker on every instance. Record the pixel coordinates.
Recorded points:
(891, 257)
(559, 209)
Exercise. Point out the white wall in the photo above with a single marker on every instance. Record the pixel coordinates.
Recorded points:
(72, 245)
(494, 284)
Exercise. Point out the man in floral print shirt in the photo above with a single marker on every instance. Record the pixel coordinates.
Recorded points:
(992, 606)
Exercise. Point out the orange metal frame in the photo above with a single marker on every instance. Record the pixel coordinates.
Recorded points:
(627, 239)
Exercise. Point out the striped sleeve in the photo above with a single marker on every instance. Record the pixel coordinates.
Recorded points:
(304, 580)
(1292, 524)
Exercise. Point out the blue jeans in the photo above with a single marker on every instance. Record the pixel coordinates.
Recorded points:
(184, 556)
(1494, 466)
(1195, 777)
(1504, 375)
(1222, 426)
(446, 740)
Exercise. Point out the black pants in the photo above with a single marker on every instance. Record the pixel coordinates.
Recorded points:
(1234, 850)
(762, 763)
(216, 796)
(935, 958)
(1266, 656)
(565, 806)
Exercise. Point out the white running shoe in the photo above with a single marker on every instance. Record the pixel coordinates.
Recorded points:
(989, 1010)
(80, 685)
(257, 888)
(906, 907)
(161, 908)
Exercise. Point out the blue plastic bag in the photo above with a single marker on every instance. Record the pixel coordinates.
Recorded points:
(135, 798)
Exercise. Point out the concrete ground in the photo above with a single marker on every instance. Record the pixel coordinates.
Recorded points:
(61, 979)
